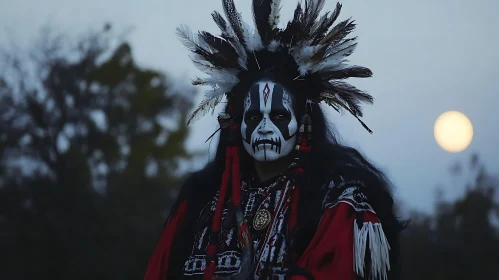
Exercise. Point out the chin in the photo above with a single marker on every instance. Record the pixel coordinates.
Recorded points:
(267, 156)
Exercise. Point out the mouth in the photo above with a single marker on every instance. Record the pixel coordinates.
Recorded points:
(275, 144)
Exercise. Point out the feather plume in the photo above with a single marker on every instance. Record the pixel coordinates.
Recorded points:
(217, 92)
(328, 50)
(318, 47)
(340, 31)
(221, 23)
(349, 72)
(207, 48)
(223, 81)
(229, 35)
(312, 10)
(336, 104)
(341, 51)
(273, 46)
(293, 32)
(262, 10)
(334, 61)
(217, 44)
(324, 24)
(345, 43)
(252, 38)
(234, 19)
(199, 82)
(187, 39)
(357, 117)
(204, 107)
(275, 13)
(304, 54)
(319, 29)
(202, 65)
(338, 86)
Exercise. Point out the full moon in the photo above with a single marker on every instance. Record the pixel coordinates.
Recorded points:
(453, 131)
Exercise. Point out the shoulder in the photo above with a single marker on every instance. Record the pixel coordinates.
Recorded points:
(346, 191)
(346, 204)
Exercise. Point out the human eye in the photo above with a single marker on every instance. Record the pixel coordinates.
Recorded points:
(253, 116)
(281, 115)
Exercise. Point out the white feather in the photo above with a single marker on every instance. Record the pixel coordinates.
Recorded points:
(342, 48)
(314, 6)
(220, 91)
(206, 105)
(252, 38)
(273, 46)
(215, 102)
(186, 37)
(329, 66)
(238, 47)
(335, 61)
(305, 68)
(228, 75)
(221, 81)
(303, 55)
(274, 16)
(241, 52)
(201, 64)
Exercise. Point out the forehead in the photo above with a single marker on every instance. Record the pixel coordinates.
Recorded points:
(267, 95)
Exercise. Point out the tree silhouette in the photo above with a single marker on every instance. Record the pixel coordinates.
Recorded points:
(90, 145)
(460, 241)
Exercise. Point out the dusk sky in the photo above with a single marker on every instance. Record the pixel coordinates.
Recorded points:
(427, 56)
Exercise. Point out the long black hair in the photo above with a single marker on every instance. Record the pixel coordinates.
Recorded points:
(327, 157)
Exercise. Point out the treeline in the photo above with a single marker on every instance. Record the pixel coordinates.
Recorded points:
(461, 239)
(90, 147)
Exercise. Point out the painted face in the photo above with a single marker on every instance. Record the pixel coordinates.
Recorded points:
(269, 124)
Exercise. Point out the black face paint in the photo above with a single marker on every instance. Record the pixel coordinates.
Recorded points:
(252, 115)
(279, 114)
(269, 126)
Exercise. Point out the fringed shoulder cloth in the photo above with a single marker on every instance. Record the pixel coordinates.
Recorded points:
(349, 242)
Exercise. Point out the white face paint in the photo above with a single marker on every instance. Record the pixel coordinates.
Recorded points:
(269, 124)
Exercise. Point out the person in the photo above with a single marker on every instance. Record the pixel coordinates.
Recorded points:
(282, 199)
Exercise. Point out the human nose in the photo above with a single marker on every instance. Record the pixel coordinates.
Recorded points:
(264, 130)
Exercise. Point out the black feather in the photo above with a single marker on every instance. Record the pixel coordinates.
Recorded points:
(312, 11)
(352, 103)
(339, 32)
(196, 47)
(324, 24)
(350, 72)
(344, 88)
(261, 14)
(234, 19)
(293, 32)
(227, 30)
(357, 117)
(220, 47)
(307, 28)
(329, 50)
(220, 21)
(202, 65)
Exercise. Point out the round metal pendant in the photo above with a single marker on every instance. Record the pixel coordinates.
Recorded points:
(262, 219)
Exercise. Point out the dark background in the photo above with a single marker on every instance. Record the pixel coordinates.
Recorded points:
(92, 155)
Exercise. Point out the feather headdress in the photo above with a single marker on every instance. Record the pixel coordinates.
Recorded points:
(318, 52)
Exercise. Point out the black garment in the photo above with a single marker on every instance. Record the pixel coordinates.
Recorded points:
(269, 243)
